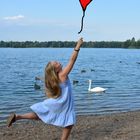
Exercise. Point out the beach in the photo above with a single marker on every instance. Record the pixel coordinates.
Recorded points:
(119, 126)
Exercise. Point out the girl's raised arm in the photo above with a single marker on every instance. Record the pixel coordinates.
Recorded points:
(72, 60)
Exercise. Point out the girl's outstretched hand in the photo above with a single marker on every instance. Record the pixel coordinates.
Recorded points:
(80, 41)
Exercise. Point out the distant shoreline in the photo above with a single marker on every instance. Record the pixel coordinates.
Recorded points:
(128, 44)
(119, 126)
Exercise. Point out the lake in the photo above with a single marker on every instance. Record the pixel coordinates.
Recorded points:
(118, 70)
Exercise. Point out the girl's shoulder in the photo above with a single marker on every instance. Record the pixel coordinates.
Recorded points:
(64, 81)
(62, 77)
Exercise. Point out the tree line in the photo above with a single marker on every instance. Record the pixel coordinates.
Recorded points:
(130, 43)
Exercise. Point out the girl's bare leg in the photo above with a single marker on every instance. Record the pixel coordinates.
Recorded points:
(31, 116)
(13, 118)
(66, 132)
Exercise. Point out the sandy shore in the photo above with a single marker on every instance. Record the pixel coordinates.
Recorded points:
(122, 126)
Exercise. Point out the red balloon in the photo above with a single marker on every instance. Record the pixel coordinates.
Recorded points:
(84, 3)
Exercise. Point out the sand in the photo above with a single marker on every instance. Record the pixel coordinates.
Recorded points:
(120, 126)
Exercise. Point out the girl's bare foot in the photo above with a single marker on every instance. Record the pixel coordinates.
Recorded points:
(11, 119)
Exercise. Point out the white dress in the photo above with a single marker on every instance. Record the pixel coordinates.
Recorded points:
(59, 111)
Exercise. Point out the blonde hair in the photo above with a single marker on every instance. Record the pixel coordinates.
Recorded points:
(52, 88)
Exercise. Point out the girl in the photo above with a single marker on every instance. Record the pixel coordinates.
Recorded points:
(58, 109)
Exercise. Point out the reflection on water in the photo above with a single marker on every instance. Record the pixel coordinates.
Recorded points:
(114, 69)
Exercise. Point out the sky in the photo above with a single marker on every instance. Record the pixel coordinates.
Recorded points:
(60, 20)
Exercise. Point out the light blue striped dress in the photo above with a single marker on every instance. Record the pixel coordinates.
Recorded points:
(59, 111)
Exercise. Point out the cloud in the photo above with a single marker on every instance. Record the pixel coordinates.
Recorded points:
(14, 17)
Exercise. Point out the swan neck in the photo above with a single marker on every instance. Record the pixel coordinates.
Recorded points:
(89, 85)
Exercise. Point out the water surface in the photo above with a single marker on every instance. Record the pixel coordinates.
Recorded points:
(115, 69)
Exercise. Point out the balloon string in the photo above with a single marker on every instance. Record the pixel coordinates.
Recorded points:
(82, 22)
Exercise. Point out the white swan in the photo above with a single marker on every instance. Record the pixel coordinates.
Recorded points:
(96, 89)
